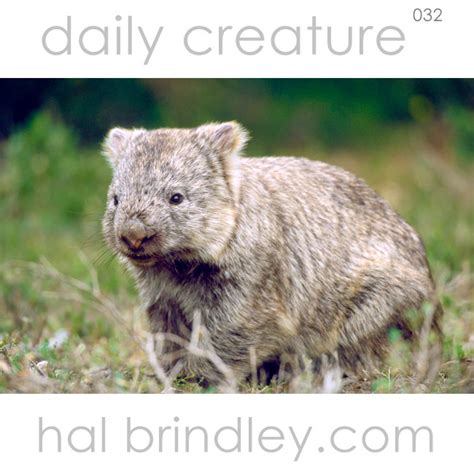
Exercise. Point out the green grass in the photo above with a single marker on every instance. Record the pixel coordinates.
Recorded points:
(56, 276)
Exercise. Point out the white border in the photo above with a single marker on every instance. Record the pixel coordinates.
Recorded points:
(442, 49)
(450, 418)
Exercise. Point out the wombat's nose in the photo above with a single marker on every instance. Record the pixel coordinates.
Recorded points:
(135, 235)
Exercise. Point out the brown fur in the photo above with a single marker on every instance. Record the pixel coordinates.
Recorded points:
(279, 255)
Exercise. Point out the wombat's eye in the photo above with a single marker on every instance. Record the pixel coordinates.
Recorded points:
(116, 200)
(176, 198)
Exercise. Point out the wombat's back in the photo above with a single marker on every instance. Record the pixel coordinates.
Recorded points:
(319, 201)
(350, 267)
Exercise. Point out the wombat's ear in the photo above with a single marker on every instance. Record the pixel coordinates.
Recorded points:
(227, 140)
(115, 143)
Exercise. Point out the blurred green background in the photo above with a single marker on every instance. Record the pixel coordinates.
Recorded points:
(330, 112)
(412, 140)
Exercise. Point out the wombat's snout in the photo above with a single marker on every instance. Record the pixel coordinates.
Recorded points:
(135, 236)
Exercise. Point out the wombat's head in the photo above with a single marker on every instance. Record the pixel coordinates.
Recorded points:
(174, 192)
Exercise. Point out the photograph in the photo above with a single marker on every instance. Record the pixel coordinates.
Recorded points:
(251, 236)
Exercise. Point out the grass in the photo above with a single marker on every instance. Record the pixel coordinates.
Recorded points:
(70, 319)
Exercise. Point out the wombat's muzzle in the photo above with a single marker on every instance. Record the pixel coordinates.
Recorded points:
(135, 237)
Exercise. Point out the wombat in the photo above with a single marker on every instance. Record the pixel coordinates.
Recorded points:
(279, 257)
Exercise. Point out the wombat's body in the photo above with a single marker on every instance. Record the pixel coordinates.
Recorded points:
(277, 256)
